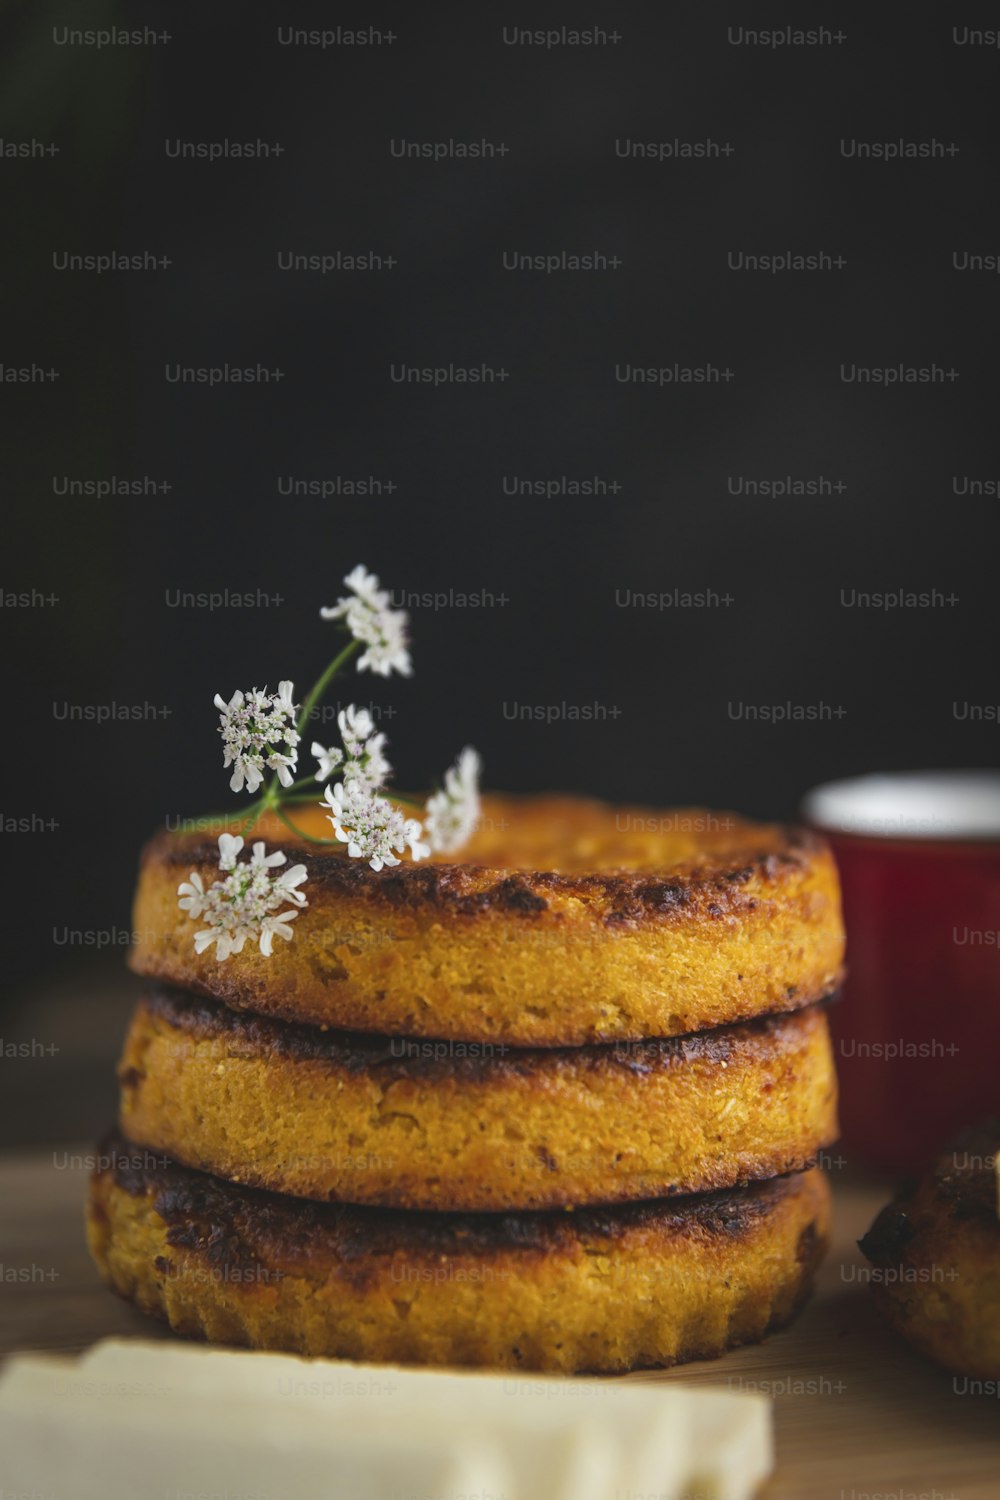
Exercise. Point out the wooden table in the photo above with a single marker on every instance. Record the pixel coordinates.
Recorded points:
(858, 1415)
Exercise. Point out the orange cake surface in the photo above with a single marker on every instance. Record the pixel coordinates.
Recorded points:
(935, 1255)
(596, 1290)
(564, 922)
(412, 1123)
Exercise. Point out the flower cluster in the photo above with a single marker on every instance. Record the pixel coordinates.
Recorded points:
(253, 727)
(453, 813)
(245, 904)
(364, 818)
(260, 732)
(371, 827)
(362, 755)
(368, 616)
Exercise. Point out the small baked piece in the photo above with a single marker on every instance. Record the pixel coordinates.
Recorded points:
(411, 1123)
(566, 922)
(935, 1250)
(595, 1290)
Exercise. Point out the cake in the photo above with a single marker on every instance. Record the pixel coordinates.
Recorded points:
(565, 922)
(600, 1290)
(552, 1103)
(411, 1123)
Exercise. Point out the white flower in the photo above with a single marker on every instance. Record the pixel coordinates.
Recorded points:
(192, 894)
(370, 826)
(370, 618)
(229, 847)
(415, 835)
(245, 904)
(452, 814)
(258, 731)
(329, 760)
(356, 724)
(362, 758)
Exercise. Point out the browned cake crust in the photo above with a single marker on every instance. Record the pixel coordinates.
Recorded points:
(567, 922)
(410, 1123)
(935, 1250)
(596, 1290)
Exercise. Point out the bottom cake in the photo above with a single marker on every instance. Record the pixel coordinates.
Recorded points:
(596, 1290)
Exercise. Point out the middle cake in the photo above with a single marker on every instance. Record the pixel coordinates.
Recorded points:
(416, 1124)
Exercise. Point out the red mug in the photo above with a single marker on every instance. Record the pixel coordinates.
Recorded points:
(917, 1028)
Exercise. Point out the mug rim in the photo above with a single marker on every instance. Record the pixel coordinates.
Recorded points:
(967, 803)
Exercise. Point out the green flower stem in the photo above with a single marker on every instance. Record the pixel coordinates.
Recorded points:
(301, 832)
(324, 682)
(251, 814)
(205, 820)
(245, 819)
(297, 786)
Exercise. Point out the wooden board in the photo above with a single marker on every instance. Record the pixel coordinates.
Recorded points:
(858, 1416)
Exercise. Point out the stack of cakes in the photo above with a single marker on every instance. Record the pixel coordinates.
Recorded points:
(556, 1106)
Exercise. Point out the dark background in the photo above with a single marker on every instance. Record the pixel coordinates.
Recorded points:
(672, 523)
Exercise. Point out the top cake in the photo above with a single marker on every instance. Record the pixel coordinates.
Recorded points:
(565, 922)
